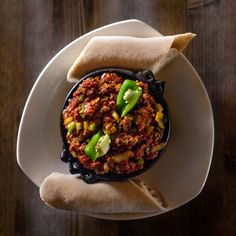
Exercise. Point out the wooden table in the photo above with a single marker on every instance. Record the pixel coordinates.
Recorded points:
(31, 32)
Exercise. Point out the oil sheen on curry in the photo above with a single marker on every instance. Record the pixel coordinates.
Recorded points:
(113, 124)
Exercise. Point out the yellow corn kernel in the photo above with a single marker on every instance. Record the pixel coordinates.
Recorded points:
(113, 130)
(159, 116)
(159, 107)
(68, 120)
(78, 126)
(85, 124)
(115, 115)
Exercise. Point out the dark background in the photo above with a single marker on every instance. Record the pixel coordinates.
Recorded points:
(32, 31)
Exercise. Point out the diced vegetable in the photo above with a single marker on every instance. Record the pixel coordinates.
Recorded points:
(105, 108)
(159, 119)
(79, 126)
(109, 128)
(122, 156)
(68, 120)
(159, 107)
(85, 124)
(92, 126)
(81, 110)
(159, 116)
(71, 127)
(81, 98)
(140, 161)
(115, 115)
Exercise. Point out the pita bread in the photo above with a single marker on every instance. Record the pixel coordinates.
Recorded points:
(128, 52)
(71, 193)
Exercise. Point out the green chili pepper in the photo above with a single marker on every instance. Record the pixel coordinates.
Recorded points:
(98, 145)
(128, 97)
(90, 148)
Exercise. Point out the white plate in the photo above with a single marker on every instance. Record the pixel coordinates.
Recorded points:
(181, 172)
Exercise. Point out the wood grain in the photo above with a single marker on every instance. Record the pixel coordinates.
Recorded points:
(31, 32)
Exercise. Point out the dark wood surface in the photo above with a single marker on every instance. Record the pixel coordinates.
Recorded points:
(32, 31)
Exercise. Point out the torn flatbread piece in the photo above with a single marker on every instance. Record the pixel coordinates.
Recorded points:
(71, 193)
(128, 52)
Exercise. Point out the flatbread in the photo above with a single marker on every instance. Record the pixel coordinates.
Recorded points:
(71, 193)
(128, 52)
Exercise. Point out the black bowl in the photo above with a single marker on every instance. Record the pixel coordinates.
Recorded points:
(156, 89)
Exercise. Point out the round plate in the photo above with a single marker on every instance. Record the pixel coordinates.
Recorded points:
(182, 171)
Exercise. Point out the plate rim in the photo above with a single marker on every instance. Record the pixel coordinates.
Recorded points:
(112, 216)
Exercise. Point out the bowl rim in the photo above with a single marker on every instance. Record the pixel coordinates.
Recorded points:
(89, 176)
